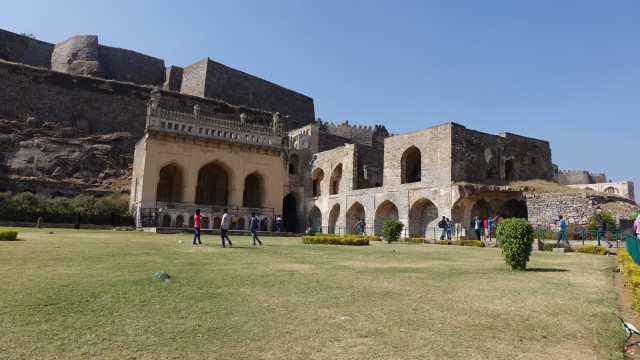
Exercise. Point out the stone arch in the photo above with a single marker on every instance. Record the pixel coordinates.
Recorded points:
(334, 183)
(290, 213)
(180, 221)
(354, 214)
(213, 183)
(385, 211)
(314, 219)
(334, 214)
(216, 222)
(423, 214)
(240, 225)
(481, 209)
(611, 190)
(410, 164)
(316, 182)
(514, 209)
(264, 224)
(191, 221)
(254, 193)
(166, 220)
(170, 183)
(294, 164)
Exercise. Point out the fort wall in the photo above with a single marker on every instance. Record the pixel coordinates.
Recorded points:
(130, 66)
(25, 50)
(575, 177)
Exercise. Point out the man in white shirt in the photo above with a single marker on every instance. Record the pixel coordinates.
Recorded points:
(224, 227)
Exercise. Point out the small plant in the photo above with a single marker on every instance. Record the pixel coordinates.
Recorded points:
(591, 249)
(477, 243)
(391, 230)
(8, 235)
(516, 238)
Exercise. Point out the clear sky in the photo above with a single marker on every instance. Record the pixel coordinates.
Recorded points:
(565, 71)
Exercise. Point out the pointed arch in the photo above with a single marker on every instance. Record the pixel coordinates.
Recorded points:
(334, 183)
(314, 219)
(171, 181)
(213, 183)
(166, 220)
(514, 209)
(254, 193)
(334, 214)
(423, 214)
(316, 181)
(355, 213)
(180, 221)
(480, 209)
(410, 163)
(385, 211)
(290, 213)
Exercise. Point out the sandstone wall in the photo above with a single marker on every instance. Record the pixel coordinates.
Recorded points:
(22, 49)
(369, 166)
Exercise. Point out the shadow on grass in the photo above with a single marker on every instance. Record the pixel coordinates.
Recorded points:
(546, 270)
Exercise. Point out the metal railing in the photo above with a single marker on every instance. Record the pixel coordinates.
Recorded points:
(633, 247)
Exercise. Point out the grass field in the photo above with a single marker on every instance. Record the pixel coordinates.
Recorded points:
(91, 294)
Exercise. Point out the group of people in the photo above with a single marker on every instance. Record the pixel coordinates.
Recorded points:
(225, 224)
(361, 227)
(445, 228)
(490, 224)
(601, 233)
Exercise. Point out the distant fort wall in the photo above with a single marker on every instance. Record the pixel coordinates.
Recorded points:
(83, 55)
(575, 177)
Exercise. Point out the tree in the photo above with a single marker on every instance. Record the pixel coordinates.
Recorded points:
(515, 238)
(592, 223)
(391, 230)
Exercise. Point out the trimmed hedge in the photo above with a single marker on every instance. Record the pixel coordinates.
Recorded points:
(477, 243)
(354, 240)
(631, 272)
(416, 240)
(592, 249)
(444, 242)
(8, 235)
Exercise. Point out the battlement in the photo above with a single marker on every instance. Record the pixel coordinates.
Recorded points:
(84, 55)
(574, 177)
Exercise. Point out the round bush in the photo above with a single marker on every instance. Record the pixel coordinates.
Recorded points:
(8, 235)
(391, 230)
(515, 239)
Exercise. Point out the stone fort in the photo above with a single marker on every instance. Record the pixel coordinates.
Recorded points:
(79, 116)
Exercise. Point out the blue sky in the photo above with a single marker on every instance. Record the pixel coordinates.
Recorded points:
(565, 71)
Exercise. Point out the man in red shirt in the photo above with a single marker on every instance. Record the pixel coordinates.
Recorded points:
(197, 222)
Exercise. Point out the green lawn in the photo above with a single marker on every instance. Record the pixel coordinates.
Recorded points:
(91, 294)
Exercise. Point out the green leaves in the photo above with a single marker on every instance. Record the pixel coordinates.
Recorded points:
(391, 230)
(515, 237)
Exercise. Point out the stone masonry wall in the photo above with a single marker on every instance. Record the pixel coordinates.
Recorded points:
(173, 78)
(25, 50)
(573, 177)
(328, 141)
(130, 66)
(576, 208)
(369, 165)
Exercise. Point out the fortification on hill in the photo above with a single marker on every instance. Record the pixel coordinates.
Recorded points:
(80, 116)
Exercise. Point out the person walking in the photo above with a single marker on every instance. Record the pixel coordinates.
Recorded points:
(602, 231)
(253, 228)
(197, 223)
(278, 223)
(224, 227)
(477, 225)
(562, 224)
(449, 224)
(442, 224)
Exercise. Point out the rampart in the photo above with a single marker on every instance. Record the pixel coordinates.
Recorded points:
(365, 135)
(83, 55)
(576, 177)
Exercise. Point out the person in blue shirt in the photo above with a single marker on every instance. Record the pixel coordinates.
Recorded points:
(602, 231)
(253, 228)
(562, 224)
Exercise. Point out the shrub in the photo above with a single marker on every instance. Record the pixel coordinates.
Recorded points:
(515, 237)
(592, 223)
(592, 249)
(415, 240)
(631, 272)
(8, 235)
(444, 242)
(331, 239)
(477, 243)
(391, 230)
(550, 246)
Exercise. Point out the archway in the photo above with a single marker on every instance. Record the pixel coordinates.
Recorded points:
(480, 209)
(336, 176)
(316, 181)
(314, 219)
(385, 211)
(423, 214)
(254, 190)
(212, 185)
(166, 220)
(240, 225)
(410, 165)
(191, 222)
(216, 222)
(170, 184)
(354, 214)
(509, 170)
(514, 209)
(290, 213)
(611, 190)
(179, 221)
(334, 213)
